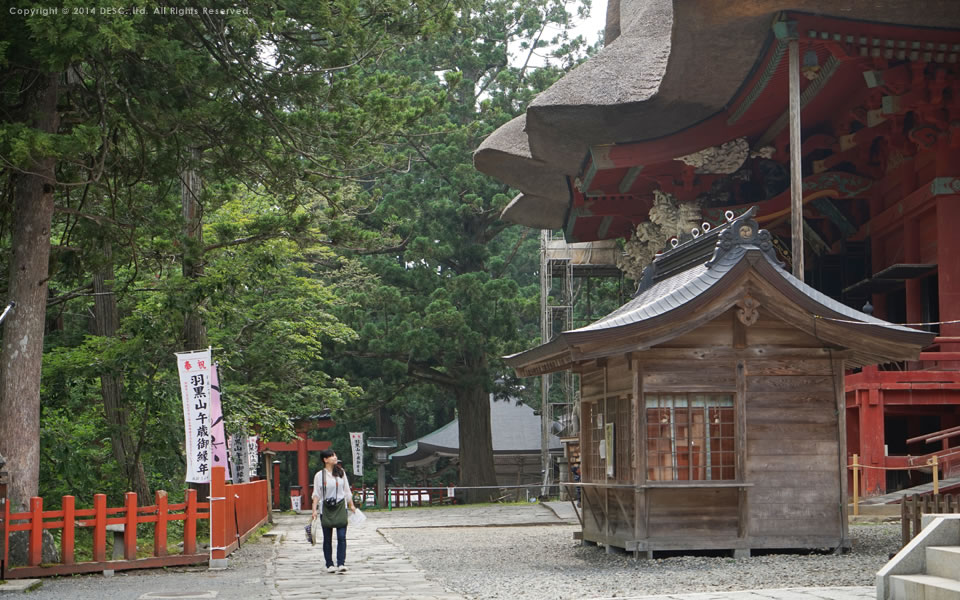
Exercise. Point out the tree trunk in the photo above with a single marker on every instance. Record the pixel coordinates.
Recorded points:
(476, 445)
(22, 353)
(111, 385)
(194, 332)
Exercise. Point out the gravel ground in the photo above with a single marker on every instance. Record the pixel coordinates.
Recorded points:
(244, 578)
(545, 563)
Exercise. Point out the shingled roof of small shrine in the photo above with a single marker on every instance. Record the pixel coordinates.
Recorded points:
(697, 270)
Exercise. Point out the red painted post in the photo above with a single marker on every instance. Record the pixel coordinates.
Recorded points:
(303, 470)
(948, 270)
(914, 287)
(219, 504)
(99, 527)
(160, 528)
(66, 540)
(4, 531)
(872, 443)
(276, 485)
(190, 524)
(35, 549)
(130, 527)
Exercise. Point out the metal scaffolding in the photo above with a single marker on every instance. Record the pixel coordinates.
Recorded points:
(560, 265)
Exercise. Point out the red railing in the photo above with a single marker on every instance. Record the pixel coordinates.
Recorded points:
(245, 510)
(401, 497)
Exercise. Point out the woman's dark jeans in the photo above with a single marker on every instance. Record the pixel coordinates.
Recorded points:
(341, 545)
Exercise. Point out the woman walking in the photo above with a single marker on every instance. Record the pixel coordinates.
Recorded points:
(331, 496)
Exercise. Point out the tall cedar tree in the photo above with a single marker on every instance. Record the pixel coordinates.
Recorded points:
(444, 308)
(96, 101)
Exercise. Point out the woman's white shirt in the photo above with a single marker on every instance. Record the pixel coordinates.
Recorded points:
(337, 488)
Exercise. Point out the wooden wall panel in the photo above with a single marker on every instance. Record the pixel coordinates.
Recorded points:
(718, 332)
(792, 453)
(685, 512)
(788, 366)
(705, 380)
(622, 512)
(793, 384)
(789, 336)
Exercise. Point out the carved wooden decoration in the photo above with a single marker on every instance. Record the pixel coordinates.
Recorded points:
(749, 310)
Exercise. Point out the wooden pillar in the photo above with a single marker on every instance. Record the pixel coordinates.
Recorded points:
(841, 402)
(218, 518)
(911, 254)
(130, 526)
(740, 414)
(276, 484)
(796, 176)
(69, 525)
(100, 527)
(160, 527)
(639, 452)
(948, 271)
(606, 461)
(877, 261)
(272, 491)
(874, 481)
(303, 470)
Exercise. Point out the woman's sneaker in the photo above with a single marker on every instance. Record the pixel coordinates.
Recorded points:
(331, 569)
(342, 568)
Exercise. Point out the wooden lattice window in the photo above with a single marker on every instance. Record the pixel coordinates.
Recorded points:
(597, 466)
(690, 437)
(623, 468)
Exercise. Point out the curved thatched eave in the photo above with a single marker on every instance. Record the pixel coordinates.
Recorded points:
(673, 65)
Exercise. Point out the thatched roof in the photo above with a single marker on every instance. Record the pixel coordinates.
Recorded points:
(666, 67)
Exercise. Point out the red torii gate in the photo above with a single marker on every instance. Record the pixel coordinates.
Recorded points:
(302, 446)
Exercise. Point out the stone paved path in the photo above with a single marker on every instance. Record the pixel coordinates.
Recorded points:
(380, 570)
(830, 593)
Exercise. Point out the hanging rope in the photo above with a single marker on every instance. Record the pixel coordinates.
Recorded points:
(955, 321)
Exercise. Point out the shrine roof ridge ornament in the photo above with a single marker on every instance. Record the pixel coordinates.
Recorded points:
(706, 245)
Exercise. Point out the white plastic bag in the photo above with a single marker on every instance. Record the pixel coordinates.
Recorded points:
(357, 517)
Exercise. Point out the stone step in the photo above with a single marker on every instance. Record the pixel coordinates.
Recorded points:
(943, 561)
(923, 587)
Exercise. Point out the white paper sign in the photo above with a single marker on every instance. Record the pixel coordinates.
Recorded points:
(194, 369)
(253, 455)
(238, 447)
(356, 445)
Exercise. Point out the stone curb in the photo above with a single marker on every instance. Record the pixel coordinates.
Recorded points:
(20, 585)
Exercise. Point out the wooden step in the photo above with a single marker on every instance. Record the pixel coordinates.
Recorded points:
(943, 561)
(923, 587)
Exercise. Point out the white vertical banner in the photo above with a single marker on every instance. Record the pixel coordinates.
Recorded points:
(194, 369)
(239, 450)
(253, 454)
(356, 445)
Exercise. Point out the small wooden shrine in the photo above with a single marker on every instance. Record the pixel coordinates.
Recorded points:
(712, 403)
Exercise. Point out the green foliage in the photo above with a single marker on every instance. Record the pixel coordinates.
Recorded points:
(351, 258)
(281, 110)
(462, 290)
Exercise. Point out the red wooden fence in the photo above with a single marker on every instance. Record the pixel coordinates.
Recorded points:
(245, 505)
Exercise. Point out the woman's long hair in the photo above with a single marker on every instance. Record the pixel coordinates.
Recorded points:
(337, 469)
